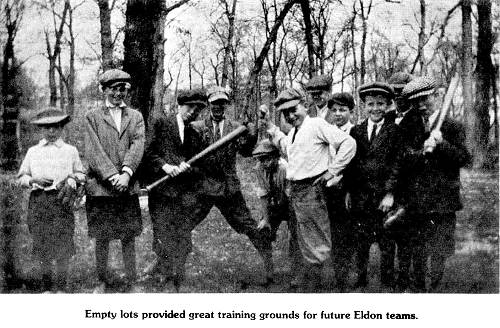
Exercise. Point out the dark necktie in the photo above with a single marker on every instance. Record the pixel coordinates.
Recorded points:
(294, 134)
(216, 131)
(374, 133)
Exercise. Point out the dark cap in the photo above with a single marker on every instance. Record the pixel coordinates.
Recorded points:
(114, 76)
(288, 98)
(376, 88)
(319, 83)
(265, 147)
(420, 86)
(341, 98)
(217, 93)
(51, 116)
(192, 97)
(399, 80)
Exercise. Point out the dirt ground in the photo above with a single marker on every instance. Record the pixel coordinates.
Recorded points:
(223, 261)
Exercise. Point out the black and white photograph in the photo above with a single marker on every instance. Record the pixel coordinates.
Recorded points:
(298, 147)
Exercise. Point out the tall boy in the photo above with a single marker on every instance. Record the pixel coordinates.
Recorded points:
(114, 145)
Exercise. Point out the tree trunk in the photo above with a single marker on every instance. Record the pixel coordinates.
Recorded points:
(306, 12)
(229, 44)
(106, 39)
(484, 67)
(467, 68)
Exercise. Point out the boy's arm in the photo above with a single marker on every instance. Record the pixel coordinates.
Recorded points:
(136, 150)
(24, 174)
(344, 145)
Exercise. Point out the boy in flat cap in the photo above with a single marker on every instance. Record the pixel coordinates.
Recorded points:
(340, 106)
(114, 145)
(372, 179)
(319, 88)
(48, 167)
(166, 152)
(432, 191)
(308, 147)
(274, 201)
(218, 184)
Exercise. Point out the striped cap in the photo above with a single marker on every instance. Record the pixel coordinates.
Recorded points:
(288, 98)
(379, 88)
(420, 86)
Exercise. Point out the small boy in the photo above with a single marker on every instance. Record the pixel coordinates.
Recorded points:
(372, 178)
(48, 166)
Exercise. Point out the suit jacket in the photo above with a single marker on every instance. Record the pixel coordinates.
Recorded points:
(108, 150)
(164, 146)
(411, 127)
(375, 169)
(434, 179)
(218, 171)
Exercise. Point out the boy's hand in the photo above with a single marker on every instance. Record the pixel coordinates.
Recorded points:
(42, 182)
(386, 203)
(71, 182)
(172, 170)
(122, 183)
(114, 179)
(183, 167)
(324, 178)
(263, 224)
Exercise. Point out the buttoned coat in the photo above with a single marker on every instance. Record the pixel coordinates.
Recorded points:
(375, 169)
(218, 170)
(164, 146)
(108, 150)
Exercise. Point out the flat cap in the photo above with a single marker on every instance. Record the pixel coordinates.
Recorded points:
(288, 98)
(51, 116)
(319, 83)
(265, 147)
(114, 76)
(398, 80)
(192, 97)
(217, 93)
(377, 88)
(341, 98)
(420, 86)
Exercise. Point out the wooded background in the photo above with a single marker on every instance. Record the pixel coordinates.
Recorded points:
(254, 48)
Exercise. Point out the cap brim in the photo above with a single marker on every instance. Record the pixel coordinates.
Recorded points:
(421, 94)
(216, 97)
(376, 91)
(114, 84)
(195, 102)
(51, 120)
(288, 104)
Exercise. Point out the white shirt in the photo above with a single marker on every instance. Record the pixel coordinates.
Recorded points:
(180, 123)
(309, 155)
(346, 127)
(370, 127)
(50, 160)
(322, 112)
(116, 113)
(400, 117)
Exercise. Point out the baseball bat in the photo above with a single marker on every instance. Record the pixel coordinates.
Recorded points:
(447, 101)
(210, 149)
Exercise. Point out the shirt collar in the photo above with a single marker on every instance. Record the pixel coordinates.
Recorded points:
(58, 143)
(180, 121)
(111, 106)
(346, 126)
(379, 124)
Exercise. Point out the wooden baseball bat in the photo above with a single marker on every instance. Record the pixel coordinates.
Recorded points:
(447, 101)
(210, 149)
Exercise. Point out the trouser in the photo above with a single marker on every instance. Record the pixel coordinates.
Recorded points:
(342, 235)
(370, 230)
(181, 218)
(428, 235)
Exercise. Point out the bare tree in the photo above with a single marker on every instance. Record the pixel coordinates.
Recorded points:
(231, 17)
(106, 37)
(306, 13)
(467, 60)
(364, 13)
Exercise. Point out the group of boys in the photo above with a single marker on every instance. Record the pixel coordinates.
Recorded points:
(392, 179)
(335, 189)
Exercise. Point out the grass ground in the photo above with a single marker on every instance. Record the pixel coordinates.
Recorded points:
(223, 261)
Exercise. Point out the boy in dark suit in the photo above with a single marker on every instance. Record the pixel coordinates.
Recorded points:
(166, 153)
(372, 179)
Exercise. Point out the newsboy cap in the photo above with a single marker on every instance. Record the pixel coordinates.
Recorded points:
(319, 83)
(420, 86)
(114, 76)
(217, 93)
(265, 147)
(342, 99)
(192, 97)
(377, 88)
(288, 98)
(398, 80)
(51, 116)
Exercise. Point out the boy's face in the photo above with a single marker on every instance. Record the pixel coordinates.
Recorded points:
(217, 109)
(320, 97)
(376, 106)
(295, 115)
(424, 105)
(189, 113)
(52, 132)
(341, 114)
(116, 94)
